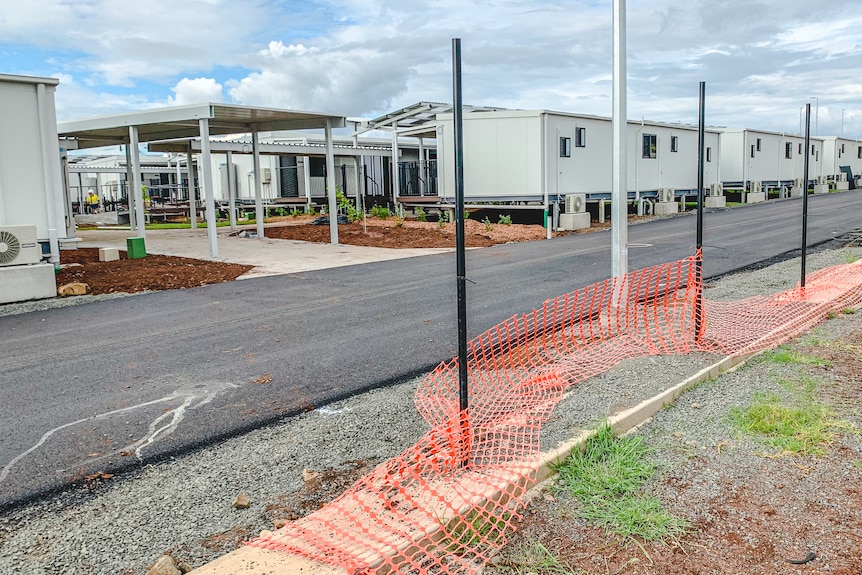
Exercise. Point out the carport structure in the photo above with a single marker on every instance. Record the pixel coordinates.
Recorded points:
(201, 121)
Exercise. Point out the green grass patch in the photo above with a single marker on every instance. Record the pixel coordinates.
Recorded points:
(473, 532)
(848, 310)
(786, 355)
(849, 257)
(857, 464)
(799, 426)
(182, 226)
(607, 478)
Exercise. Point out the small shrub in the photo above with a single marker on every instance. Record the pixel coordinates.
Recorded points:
(295, 212)
(381, 212)
(442, 218)
(487, 223)
(420, 214)
(506, 220)
(399, 221)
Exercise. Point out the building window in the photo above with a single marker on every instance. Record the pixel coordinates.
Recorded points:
(709, 154)
(812, 149)
(565, 147)
(788, 150)
(758, 145)
(800, 150)
(752, 150)
(580, 137)
(817, 156)
(859, 153)
(674, 143)
(842, 148)
(649, 146)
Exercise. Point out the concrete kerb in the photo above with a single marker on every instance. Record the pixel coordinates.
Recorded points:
(255, 561)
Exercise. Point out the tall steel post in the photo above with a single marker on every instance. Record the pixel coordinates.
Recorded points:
(619, 191)
(698, 306)
(805, 191)
(461, 272)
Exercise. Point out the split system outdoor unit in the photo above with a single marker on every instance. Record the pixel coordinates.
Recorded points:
(823, 180)
(19, 246)
(756, 187)
(576, 203)
(716, 189)
(798, 183)
(666, 194)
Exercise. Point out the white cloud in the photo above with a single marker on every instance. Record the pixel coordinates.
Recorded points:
(365, 57)
(196, 91)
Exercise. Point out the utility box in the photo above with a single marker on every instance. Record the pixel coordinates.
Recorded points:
(135, 248)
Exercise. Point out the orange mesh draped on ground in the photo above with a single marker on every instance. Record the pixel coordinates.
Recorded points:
(446, 504)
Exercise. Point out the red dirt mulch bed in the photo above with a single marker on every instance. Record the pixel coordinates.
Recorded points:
(409, 234)
(153, 272)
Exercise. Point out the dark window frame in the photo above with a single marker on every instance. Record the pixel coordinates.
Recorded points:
(674, 143)
(788, 150)
(649, 150)
(565, 147)
(580, 137)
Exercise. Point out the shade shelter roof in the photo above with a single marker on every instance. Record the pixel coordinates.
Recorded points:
(203, 121)
(183, 122)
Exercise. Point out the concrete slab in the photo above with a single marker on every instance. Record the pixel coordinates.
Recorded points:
(108, 254)
(665, 208)
(580, 221)
(821, 188)
(24, 283)
(715, 202)
(268, 256)
(755, 197)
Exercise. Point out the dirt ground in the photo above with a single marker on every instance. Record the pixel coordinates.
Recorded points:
(153, 272)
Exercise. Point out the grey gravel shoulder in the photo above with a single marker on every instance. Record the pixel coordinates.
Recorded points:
(182, 505)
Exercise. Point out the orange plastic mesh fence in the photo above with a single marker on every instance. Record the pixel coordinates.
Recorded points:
(446, 504)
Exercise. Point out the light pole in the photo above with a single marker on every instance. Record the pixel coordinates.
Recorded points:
(816, 113)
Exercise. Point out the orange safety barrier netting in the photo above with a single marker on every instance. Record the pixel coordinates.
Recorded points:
(446, 504)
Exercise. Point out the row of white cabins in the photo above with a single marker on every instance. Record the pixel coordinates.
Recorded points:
(517, 156)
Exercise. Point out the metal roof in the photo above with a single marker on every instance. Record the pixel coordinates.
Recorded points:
(419, 120)
(183, 122)
(271, 148)
(28, 79)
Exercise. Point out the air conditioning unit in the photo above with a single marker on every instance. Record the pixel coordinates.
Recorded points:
(19, 246)
(823, 180)
(756, 187)
(798, 183)
(266, 176)
(716, 189)
(842, 177)
(576, 203)
(666, 194)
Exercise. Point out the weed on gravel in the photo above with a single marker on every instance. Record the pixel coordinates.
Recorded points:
(607, 479)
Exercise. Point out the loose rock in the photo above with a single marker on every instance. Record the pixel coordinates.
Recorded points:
(241, 501)
(74, 288)
(164, 566)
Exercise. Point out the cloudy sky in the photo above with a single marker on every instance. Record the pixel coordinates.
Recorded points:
(761, 60)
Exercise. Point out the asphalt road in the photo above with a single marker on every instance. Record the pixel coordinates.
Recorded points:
(111, 384)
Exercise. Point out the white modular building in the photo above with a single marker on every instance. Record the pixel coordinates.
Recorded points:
(774, 159)
(525, 155)
(842, 156)
(31, 187)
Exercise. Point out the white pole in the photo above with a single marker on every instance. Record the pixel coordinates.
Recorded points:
(179, 180)
(207, 185)
(330, 185)
(138, 192)
(231, 189)
(193, 203)
(396, 182)
(306, 179)
(258, 185)
(49, 152)
(619, 196)
(130, 195)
